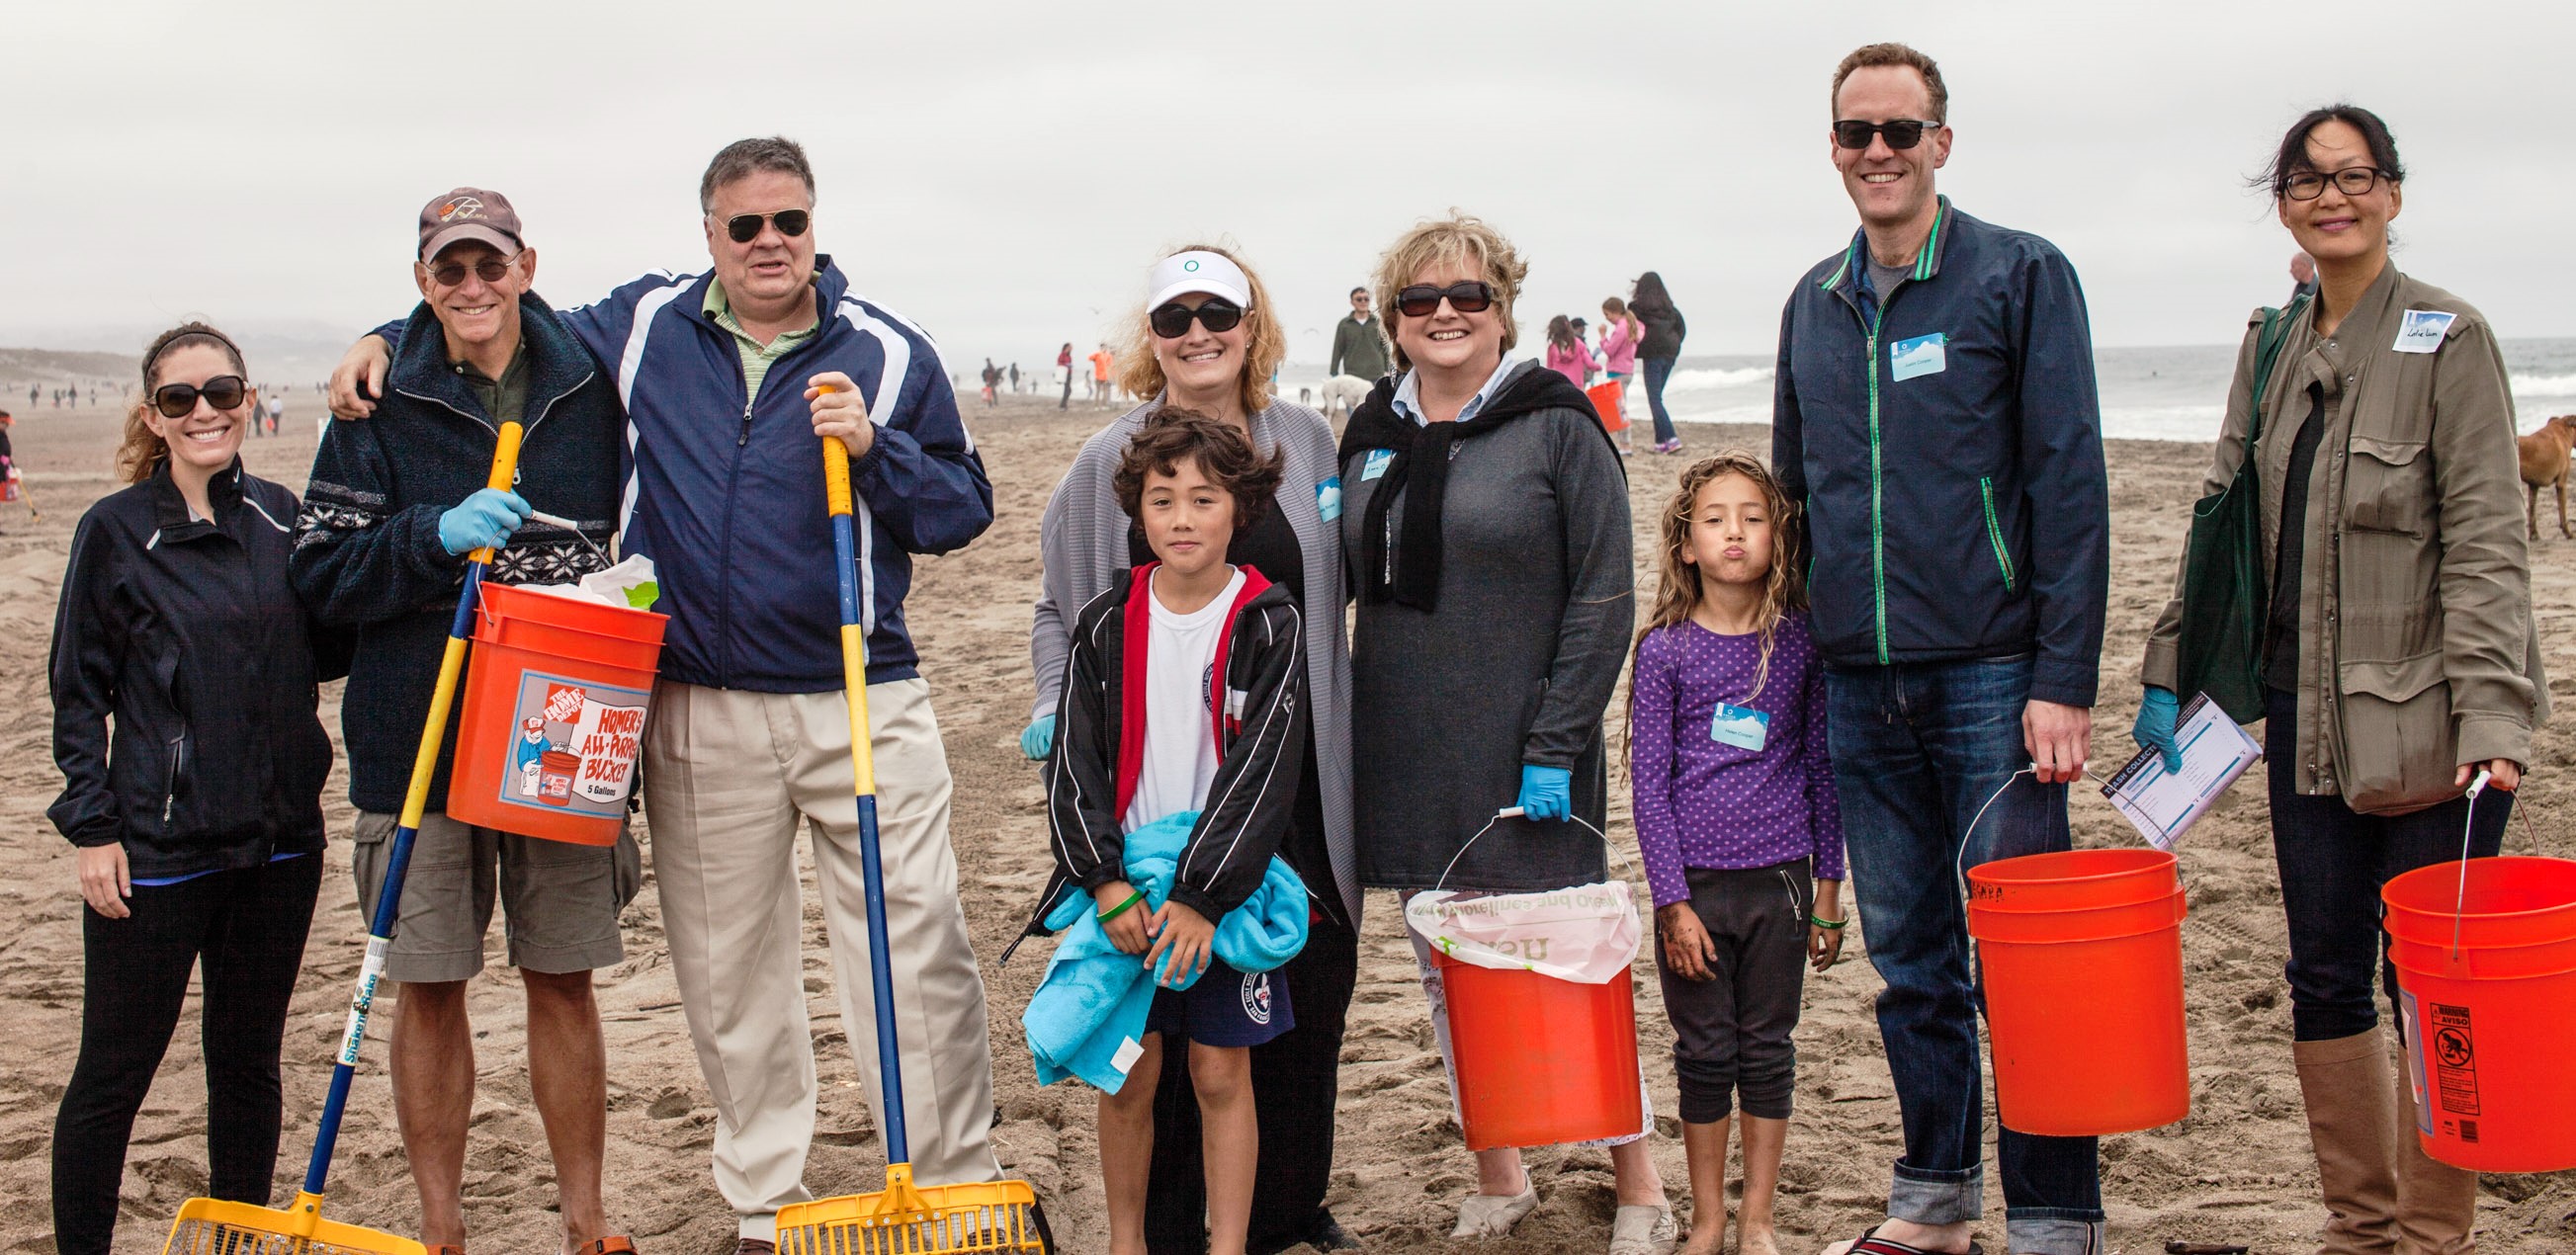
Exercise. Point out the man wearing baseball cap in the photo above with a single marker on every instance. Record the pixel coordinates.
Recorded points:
(393, 508)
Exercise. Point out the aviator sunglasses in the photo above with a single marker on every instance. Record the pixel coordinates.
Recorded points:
(178, 400)
(1902, 133)
(743, 228)
(1172, 321)
(1422, 299)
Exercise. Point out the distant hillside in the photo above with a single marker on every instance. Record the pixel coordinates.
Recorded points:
(48, 367)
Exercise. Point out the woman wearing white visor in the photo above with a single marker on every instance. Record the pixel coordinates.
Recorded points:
(1206, 339)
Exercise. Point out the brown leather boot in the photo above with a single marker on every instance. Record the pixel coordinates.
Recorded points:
(2437, 1204)
(2344, 1083)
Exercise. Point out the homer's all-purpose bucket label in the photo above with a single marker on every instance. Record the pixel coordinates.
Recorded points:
(575, 746)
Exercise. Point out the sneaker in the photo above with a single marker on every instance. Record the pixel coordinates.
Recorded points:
(1493, 1215)
(1642, 1231)
(1673, 445)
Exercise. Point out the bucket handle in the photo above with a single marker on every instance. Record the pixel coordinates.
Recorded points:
(2468, 834)
(1514, 812)
(1959, 865)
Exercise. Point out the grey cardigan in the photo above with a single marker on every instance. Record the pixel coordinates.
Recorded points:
(1083, 543)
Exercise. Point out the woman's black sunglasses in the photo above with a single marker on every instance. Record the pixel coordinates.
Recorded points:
(1421, 299)
(1172, 321)
(1903, 133)
(744, 228)
(178, 400)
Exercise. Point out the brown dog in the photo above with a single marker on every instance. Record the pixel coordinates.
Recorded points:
(2544, 454)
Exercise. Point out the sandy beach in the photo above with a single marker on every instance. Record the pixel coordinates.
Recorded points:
(2238, 1170)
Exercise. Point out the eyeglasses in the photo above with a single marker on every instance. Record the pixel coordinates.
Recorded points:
(2351, 181)
(489, 270)
(178, 400)
(1172, 321)
(1901, 133)
(1422, 299)
(744, 228)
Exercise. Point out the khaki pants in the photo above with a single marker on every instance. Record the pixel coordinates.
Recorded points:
(729, 778)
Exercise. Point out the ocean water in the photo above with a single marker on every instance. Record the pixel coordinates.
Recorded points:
(2177, 393)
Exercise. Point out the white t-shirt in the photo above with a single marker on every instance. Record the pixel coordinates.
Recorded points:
(1180, 733)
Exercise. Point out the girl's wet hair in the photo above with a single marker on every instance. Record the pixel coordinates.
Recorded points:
(1677, 583)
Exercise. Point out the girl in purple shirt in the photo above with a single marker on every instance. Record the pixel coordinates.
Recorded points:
(1736, 818)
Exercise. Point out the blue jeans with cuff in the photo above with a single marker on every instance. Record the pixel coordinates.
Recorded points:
(1917, 749)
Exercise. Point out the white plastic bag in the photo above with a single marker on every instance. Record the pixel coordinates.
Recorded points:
(627, 585)
(1587, 934)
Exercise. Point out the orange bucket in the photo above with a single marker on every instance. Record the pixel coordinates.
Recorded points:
(554, 715)
(1541, 1061)
(2081, 954)
(1605, 402)
(2488, 1023)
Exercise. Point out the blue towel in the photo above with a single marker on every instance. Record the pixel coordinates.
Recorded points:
(1087, 1019)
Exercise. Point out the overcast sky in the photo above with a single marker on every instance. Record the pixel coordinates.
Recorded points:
(1005, 173)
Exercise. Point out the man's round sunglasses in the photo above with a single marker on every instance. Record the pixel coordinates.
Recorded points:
(178, 400)
(489, 270)
(1171, 321)
(2351, 181)
(744, 228)
(1902, 133)
(1422, 299)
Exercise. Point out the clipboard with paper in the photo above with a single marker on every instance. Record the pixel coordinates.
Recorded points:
(2163, 804)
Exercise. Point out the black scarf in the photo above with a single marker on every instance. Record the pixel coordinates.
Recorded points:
(1420, 473)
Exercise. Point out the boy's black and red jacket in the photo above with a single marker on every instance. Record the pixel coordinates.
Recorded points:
(1259, 720)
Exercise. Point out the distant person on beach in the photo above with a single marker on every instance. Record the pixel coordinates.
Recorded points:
(1207, 340)
(1101, 360)
(2399, 652)
(1658, 348)
(1620, 332)
(1946, 680)
(992, 382)
(1567, 354)
(751, 691)
(2303, 276)
(192, 784)
(1359, 342)
(1064, 374)
(1015, 378)
(1486, 527)
(276, 411)
(394, 507)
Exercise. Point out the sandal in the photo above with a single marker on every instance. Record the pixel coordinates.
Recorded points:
(1493, 1215)
(1637, 1230)
(604, 1246)
(1869, 1243)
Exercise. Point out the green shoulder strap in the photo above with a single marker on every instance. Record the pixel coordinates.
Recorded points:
(2267, 354)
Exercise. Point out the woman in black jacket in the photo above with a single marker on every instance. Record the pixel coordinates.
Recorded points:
(1656, 353)
(199, 822)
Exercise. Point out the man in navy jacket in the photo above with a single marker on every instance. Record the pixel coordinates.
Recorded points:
(728, 378)
(1937, 417)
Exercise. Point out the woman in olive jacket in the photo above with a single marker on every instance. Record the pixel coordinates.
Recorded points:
(199, 821)
(2399, 658)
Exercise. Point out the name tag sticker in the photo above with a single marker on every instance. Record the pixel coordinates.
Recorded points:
(1376, 464)
(1328, 498)
(2421, 330)
(1922, 355)
(1742, 728)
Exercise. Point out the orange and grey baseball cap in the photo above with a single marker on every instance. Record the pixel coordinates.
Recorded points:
(468, 213)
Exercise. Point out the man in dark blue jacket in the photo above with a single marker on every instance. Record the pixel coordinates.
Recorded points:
(393, 508)
(728, 377)
(1937, 416)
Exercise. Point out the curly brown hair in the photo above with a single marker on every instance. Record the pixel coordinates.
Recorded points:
(142, 451)
(1223, 452)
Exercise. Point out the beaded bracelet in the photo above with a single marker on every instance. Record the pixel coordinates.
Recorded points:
(1121, 909)
(1827, 923)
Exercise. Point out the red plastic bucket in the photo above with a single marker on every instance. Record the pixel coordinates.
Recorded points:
(1605, 402)
(2488, 1024)
(2082, 959)
(553, 723)
(1541, 1061)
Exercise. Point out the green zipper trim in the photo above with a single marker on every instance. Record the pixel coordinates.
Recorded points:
(1995, 531)
(1839, 271)
(1877, 484)
(1931, 242)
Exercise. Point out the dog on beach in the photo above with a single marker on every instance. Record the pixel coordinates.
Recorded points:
(1345, 391)
(2544, 455)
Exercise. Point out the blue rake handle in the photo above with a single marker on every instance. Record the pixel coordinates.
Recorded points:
(424, 765)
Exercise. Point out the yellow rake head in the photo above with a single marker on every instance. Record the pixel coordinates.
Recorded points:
(209, 1226)
(907, 1219)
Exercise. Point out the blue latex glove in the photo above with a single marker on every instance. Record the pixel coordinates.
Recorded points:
(1038, 738)
(2157, 712)
(1547, 792)
(484, 520)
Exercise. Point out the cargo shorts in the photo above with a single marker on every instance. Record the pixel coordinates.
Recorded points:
(560, 900)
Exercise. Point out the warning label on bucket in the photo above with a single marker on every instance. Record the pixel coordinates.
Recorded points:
(2454, 1057)
(575, 746)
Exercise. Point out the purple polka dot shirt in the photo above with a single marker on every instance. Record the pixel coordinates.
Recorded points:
(1703, 803)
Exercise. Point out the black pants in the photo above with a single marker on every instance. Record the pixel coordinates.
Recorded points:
(248, 927)
(1731, 1033)
(1295, 1080)
(2334, 860)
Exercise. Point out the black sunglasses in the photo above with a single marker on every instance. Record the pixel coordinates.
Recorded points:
(744, 228)
(489, 270)
(1172, 321)
(1422, 299)
(1903, 133)
(2351, 181)
(178, 400)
